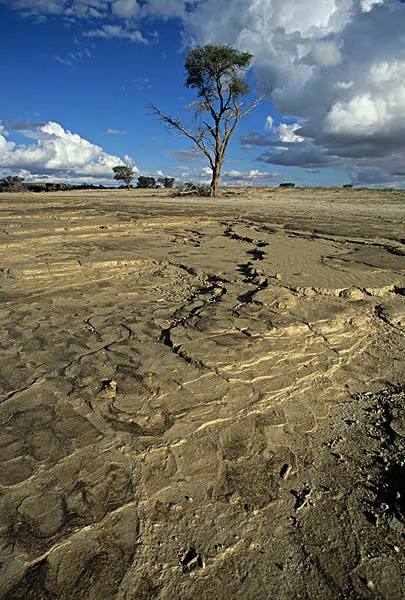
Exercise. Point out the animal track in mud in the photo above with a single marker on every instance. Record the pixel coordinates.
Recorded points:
(256, 254)
(214, 290)
(229, 232)
(252, 277)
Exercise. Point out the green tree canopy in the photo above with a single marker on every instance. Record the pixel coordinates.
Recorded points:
(12, 183)
(167, 182)
(124, 173)
(146, 182)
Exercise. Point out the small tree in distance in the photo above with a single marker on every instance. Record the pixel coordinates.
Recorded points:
(124, 173)
(146, 182)
(167, 182)
(12, 183)
(216, 73)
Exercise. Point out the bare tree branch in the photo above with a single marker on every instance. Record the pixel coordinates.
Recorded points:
(177, 124)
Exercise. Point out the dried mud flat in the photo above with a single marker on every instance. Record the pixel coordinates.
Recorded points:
(202, 399)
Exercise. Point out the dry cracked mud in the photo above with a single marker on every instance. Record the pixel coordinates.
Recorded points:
(202, 399)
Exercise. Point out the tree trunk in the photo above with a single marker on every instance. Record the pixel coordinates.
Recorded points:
(129, 185)
(216, 172)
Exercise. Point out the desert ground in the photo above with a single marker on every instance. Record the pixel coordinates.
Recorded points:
(202, 398)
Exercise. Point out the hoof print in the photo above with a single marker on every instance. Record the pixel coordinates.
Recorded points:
(191, 561)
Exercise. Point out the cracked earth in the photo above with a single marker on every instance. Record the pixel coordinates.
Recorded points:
(202, 399)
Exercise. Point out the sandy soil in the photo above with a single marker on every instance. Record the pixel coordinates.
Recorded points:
(202, 399)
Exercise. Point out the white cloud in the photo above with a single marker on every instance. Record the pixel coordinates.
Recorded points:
(326, 54)
(367, 5)
(344, 85)
(379, 109)
(362, 114)
(117, 31)
(55, 150)
(283, 132)
(125, 8)
(287, 132)
(115, 131)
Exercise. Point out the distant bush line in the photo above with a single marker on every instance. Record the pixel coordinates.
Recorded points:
(17, 184)
(287, 185)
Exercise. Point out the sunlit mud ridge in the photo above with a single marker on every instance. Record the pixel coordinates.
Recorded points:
(202, 399)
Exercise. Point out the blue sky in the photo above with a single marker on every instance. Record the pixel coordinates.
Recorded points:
(77, 75)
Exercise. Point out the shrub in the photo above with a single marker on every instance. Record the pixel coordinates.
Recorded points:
(146, 182)
(167, 182)
(191, 189)
(12, 183)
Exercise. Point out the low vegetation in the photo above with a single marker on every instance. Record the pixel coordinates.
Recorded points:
(17, 184)
(166, 182)
(146, 182)
(191, 189)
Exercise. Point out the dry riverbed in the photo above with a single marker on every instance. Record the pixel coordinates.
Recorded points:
(202, 399)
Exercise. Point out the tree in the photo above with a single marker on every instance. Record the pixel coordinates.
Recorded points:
(167, 182)
(216, 72)
(12, 183)
(124, 173)
(146, 182)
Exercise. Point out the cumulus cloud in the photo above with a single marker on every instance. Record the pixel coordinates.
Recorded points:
(125, 8)
(325, 54)
(54, 150)
(283, 132)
